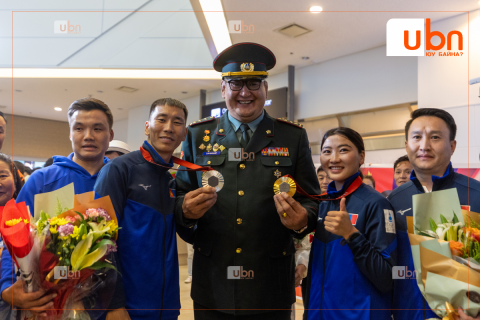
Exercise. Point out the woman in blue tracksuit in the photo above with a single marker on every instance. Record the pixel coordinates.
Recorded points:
(353, 250)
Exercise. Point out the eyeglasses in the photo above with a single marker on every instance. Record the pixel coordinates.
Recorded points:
(252, 84)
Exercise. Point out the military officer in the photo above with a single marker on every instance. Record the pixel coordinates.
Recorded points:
(243, 266)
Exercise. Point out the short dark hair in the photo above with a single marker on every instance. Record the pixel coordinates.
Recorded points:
(369, 177)
(320, 169)
(400, 160)
(3, 116)
(17, 180)
(169, 102)
(48, 162)
(432, 112)
(89, 104)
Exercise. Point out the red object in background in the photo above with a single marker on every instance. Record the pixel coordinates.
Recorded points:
(384, 176)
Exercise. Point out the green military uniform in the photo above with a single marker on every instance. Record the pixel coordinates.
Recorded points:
(243, 227)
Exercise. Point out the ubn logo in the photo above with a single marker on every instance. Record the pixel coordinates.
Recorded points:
(238, 154)
(402, 272)
(237, 273)
(65, 273)
(64, 26)
(238, 26)
(412, 37)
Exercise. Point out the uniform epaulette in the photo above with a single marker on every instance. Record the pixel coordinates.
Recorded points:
(207, 119)
(293, 123)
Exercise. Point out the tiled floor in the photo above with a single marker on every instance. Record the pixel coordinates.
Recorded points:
(187, 304)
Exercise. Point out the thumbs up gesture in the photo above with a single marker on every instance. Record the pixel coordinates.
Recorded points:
(338, 222)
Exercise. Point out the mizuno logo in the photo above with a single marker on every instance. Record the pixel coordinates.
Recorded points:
(403, 211)
(144, 187)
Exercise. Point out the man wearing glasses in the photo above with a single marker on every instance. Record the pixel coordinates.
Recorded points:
(244, 267)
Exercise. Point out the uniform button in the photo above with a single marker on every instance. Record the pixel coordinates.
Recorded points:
(239, 221)
(209, 162)
(284, 253)
(241, 193)
(242, 166)
(276, 162)
(239, 250)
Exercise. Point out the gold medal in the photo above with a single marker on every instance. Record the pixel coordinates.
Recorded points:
(209, 147)
(206, 138)
(221, 148)
(214, 179)
(285, 184)
(215, 147)
(202, 147)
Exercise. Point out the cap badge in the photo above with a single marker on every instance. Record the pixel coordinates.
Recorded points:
(247, 67)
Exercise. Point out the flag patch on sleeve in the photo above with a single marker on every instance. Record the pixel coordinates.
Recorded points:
(389, 221)
(353, 218)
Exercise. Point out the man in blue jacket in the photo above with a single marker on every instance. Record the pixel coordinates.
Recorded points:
(143, 195)
(430, 143)
(90, 122)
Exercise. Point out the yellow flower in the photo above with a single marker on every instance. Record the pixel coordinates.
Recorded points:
(75, 232)
(53, 230)
(13, 222)
(58, 221)
(112, 225)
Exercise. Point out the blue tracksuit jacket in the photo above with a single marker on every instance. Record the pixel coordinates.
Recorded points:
(350, 281)
(409, 303)
(62, 172)
(143, 195)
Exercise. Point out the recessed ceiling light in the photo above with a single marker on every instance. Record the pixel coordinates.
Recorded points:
(215, 16)
(58, 109)
(316, 9)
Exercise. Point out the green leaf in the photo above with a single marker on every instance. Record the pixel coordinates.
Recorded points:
(93, 257)
(102, 264)
(80, 251)
(104, 242)
(443, 219)
(433, 225)
(455, 218)
(81, 215)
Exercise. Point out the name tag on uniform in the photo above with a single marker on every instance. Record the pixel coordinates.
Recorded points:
(211, 153)
(353, 218)
(275, 152)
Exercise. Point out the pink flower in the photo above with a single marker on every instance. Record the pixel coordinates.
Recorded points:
(103, 213)
(71, 219)
(65, 230)
(111, 248)
(92, 213)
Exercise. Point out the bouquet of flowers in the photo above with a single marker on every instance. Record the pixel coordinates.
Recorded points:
(446, 252)
(68, 252)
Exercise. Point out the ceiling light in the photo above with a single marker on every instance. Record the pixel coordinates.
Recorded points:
(316, 9)
(109, 73)
(58, 109)
(293, 30)
(213, 11)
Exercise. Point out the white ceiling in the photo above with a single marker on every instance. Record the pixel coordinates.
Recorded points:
(175, 40)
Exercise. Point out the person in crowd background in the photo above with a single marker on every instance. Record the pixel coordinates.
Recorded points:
(90, 121)
(10, 186)
(143, 196)
(116, 149)
(401, 170)
(430, 143)
(353, 250)
(369, 181)
(323, 179)
(3, 128)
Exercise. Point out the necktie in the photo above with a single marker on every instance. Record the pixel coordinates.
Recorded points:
(245, 137)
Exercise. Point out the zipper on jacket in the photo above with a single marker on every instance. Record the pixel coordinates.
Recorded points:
(163, 284)
(323, 280)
